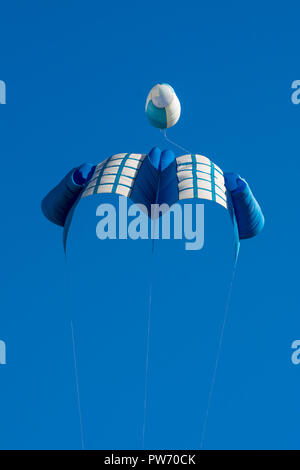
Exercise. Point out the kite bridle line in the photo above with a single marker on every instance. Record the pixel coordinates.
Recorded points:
(164, 133)
(149, 320)
(75, 368)
(212, 386)
(225, 318)
(213, 380)
(77, 386)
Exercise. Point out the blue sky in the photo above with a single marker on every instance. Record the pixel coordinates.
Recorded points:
(77, 76)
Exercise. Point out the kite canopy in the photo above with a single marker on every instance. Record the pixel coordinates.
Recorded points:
(163, 178)
(162, 106)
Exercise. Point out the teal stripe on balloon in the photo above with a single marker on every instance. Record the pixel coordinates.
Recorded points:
(157, 116)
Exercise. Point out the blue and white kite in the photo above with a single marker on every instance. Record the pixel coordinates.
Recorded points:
(158, 177)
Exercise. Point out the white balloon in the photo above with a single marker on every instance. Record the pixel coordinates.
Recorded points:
(162, 106)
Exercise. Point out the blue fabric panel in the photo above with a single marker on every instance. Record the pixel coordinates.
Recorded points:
(236, 236)
(84, 173)
(168, 190)
(58, 202)
(249, 216)
(166, 158)
(231, 180)
(146, 184)
(154, 157)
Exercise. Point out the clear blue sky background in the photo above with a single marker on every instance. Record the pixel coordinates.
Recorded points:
(77, 76)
